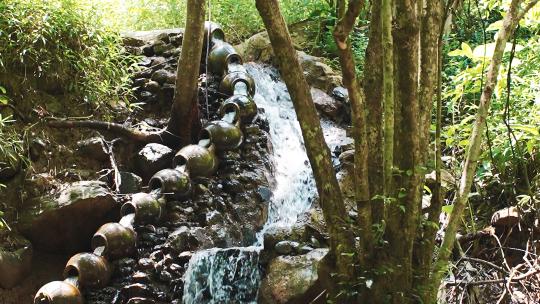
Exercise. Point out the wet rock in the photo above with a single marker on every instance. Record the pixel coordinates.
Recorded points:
(130, 183)
(136, 290)
(341, 94)
(139, 300)
(286, 247)
(67, 221)
(148, 50)
(162, 47)
(181, 239)
(160, 76)
(327, 106)
(265, 193)
(152, 86)
(15, 259)
(152, 158)
(214, 217)
(139, 82)
(293, 279)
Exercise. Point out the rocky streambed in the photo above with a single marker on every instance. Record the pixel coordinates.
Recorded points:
(227, 210)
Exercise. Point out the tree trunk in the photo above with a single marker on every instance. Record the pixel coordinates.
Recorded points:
(510, 23)
(372, 84)
(358, 108)
(403, 209)
(330, 197)
(388, 96)
(184, 122)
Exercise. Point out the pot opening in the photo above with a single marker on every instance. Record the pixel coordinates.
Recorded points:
(128, 208)
(179, 160)
(99, 244)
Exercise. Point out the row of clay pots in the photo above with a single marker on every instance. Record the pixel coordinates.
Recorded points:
(117, 240)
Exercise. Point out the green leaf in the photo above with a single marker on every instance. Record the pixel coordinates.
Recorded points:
(3, 90)
(526, 128)
(448, 209)
(487, 50)
(495, 26)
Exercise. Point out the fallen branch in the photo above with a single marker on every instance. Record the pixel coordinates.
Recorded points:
(495, 281)
(114, 128)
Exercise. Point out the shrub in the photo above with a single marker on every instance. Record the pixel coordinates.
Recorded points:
(64, 45)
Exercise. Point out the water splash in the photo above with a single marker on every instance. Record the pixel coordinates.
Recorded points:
(232, 275)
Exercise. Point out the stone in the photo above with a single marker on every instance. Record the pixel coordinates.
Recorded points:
(318, 74)
(286, 247)
(341, 94)
(162, 47)
(139, 38)
(506, 217)
(140, 300)
(136, 290)
(214, 217)
(327, 106)
(152, 158)
(256, 48)
(93, 148)
(66, 221)
(148, 50)
(293, 279)
(152, 86)
(130, 183)
(160, 76)
(15, 259)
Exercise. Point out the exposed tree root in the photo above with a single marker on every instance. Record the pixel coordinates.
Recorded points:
(114, 128)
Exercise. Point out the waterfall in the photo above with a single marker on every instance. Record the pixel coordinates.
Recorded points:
(232, 275)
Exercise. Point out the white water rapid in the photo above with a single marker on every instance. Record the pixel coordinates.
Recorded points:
(232, 275)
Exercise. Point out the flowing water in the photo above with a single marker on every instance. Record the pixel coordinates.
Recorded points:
(232, 275)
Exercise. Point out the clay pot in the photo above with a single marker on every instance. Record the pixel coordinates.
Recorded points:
(199, 161)
(171, 182)
(117, 241)
(146, 207)
(223, 135)
(92, 270)
(231, 84)
(221, 55)
(214, 31)
(238, 107)
(16, 264)
(58, 292)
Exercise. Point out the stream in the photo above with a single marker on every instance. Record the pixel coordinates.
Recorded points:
(232, 275)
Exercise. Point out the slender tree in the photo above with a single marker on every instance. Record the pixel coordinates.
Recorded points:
(510, 22)
(330, 197)
(184, 113)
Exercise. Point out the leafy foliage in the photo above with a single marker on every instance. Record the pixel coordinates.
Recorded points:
(62, 42)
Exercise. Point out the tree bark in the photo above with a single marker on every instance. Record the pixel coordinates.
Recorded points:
(331, 200)
(403, 209)
(184, 120)
(372, 84)
(341, 33)
(388, 96)
(510, 22)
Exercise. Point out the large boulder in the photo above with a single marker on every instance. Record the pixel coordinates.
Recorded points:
(293, 279)
(152, 158)
(140, 38)
(328, 106)
(318, 74)
(15, 259)
(66, 221)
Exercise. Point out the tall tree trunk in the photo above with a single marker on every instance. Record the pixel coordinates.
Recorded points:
(372, 84)
(330, 197)
(403, 209)
(431, 34)
(347, 19)
(184, 120)
(388, 89)
(510, 23)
